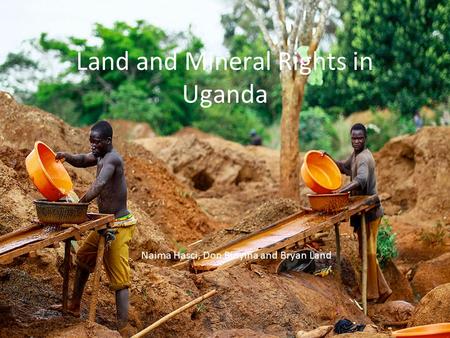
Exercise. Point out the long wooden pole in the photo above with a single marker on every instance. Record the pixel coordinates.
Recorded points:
(96, 282)
(174, 313)
(66, 273)
(364, 262)
(338, 251)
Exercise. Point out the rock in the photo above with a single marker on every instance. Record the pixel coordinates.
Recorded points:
(321, 331)
(433, 308)
(430, 274)
(391, 312)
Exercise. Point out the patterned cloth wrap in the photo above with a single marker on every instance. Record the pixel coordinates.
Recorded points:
(116, 257)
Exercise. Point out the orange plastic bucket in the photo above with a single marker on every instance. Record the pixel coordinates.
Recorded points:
(441, 330)
(320, 173)
(47, 174)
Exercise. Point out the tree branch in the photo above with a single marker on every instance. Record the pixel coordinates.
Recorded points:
(306, 27)
(260, 21)
(320, 26)
(312, 40)
(294, 32)
(277, 24)
(282, 15)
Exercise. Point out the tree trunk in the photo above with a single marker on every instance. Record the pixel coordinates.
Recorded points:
(292, 95)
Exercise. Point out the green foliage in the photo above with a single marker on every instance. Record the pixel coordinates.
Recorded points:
(344, 144)
(233, 125)
(436, 236)
(316, 130)
(383, 129)
(243, 38)
(17, 73)
(411, 62)
(386, 246)
(17, 61)
(154, 96)
(59, 97)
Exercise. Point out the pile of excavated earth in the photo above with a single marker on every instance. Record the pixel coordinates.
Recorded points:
(194, 187)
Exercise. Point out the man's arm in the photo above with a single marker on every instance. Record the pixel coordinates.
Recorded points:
(77, 160)
(360, 181)
(102, 179)
(344, 166)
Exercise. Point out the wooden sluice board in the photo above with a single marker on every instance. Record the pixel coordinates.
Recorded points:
(35, 237)
(282, 234)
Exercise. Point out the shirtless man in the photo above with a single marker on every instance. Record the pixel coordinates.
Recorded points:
(110, 189)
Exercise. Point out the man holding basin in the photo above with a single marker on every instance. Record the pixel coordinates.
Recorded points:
(110, 190)
(360, 166)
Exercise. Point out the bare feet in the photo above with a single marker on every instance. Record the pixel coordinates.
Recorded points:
(71, 309)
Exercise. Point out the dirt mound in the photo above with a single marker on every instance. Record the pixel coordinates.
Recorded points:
(83, 330)
(21, 126)
(151, 186)
(270, 304)
(438, 268)
(16, 191)
(167, 202)
(264, 215)
(25, 299)
(401, 289)
(128, 130)
(414, 171)
(226, 178)
(433, 308)
(209, 163)
(192, 131)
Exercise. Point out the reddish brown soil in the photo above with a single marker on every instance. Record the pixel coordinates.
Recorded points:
(429, 274)
(414, 171)
(433, 308)
(266, 303)
(157, 194)
(129, 130)
(202, 185)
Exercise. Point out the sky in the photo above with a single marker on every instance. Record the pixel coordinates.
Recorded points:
(21, 19)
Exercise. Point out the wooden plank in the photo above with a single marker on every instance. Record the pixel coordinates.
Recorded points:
(364, 263)
(97, 221)
(357, 206)
(338, 251)
(360, 203)
(20, 231)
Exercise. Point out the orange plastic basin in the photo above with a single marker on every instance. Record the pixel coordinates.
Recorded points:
(320, 173)
(47, 174)
(441, 330)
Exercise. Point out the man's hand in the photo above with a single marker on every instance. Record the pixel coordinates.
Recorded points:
(60, 156)
(82, 199)
(323, 153)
